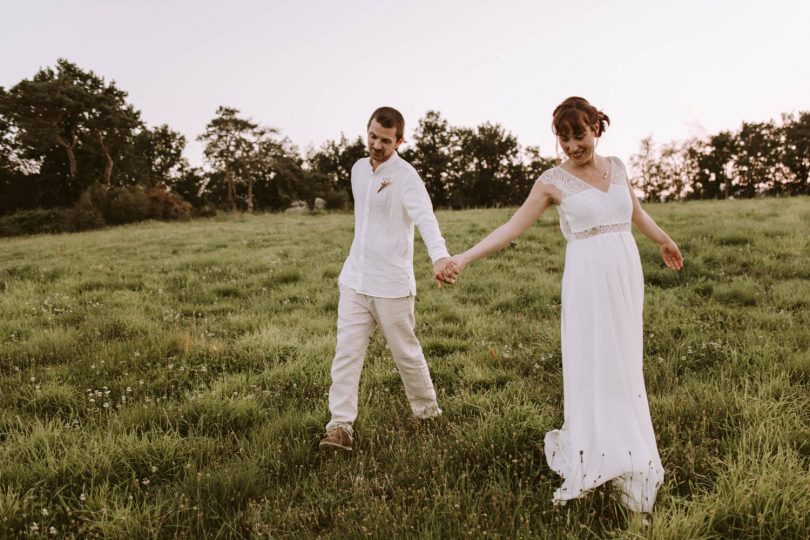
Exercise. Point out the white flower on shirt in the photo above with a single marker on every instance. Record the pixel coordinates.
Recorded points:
(385, 183)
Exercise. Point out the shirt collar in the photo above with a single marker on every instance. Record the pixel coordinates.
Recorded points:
(386, 164)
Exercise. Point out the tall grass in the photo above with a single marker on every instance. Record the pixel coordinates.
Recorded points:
(166, 380)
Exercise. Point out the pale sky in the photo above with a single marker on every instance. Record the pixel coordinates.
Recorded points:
(316, 68)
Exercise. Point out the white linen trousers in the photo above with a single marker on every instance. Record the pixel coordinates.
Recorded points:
(358, 316)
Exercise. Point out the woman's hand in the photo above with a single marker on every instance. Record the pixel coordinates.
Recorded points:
(671, 254)
(458, 262)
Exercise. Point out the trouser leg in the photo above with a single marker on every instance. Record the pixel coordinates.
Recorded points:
(396, 319)
(354, 328)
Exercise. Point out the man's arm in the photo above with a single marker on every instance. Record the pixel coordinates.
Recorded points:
(419, 208)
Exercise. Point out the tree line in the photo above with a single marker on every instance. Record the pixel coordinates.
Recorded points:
(69, 138)
(76, 154)
(759, 159)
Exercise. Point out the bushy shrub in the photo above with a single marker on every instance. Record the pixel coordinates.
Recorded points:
(336, 199)
(97, 196)
(35, 221)
(84, 215)
(126, 205)
(165, 205)
(98, 207)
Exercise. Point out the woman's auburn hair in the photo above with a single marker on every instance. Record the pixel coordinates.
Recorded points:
(575, 114)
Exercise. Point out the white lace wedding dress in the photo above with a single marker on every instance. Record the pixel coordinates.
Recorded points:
(607, 432)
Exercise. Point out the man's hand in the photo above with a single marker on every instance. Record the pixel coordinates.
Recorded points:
(445, 272)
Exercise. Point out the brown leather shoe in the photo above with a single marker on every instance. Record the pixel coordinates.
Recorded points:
(337, 438)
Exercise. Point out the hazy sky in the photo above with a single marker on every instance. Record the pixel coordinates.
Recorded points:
(317, 68)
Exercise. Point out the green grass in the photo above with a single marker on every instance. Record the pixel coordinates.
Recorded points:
(165, 380)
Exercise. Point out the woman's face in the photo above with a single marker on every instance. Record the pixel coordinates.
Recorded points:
(578, 144)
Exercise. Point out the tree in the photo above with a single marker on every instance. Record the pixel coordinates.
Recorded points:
(645, 163)
(190, 184)
(675, 171)
(283, 178)
(490, 165)
(228, 147)
(757, 164)
(534, 165)
(160, 153)
(7, 148)
(9, 170)
(264, 162)
(796, 136)
(71, 128)
(242, 153)
(113, 123)
(334, 161)
(663, 173)
(710, 162)
(432, 154)
(50, 109)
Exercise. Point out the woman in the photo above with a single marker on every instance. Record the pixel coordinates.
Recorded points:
(607, 433)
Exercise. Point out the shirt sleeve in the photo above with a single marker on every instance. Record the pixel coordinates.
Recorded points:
(417, 204)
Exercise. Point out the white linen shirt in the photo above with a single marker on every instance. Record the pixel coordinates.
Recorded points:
(380, 262)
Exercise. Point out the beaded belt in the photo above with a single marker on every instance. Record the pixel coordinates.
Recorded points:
(596, 231)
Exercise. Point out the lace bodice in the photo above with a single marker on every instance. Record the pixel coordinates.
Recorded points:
(586, 211)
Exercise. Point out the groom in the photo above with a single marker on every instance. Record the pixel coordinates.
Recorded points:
(377, 284)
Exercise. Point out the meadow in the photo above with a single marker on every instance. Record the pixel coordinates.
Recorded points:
(169, 380)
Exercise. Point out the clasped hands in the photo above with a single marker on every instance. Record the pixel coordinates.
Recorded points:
(447, 270)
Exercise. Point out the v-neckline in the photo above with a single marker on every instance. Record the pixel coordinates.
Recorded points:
(591, 186)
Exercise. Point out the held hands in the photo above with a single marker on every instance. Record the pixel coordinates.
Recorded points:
(671, 254)
(445, 271)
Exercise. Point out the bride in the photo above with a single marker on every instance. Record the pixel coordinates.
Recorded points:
(607, 432)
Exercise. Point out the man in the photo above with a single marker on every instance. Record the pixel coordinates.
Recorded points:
(377, 284)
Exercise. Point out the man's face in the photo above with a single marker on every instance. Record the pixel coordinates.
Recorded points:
(382, 142)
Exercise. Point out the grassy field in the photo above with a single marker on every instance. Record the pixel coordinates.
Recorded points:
(170, 380)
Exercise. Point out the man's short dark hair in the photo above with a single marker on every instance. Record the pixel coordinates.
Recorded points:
(389, 117)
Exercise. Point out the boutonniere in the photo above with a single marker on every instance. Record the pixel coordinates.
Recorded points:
(384, 184)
